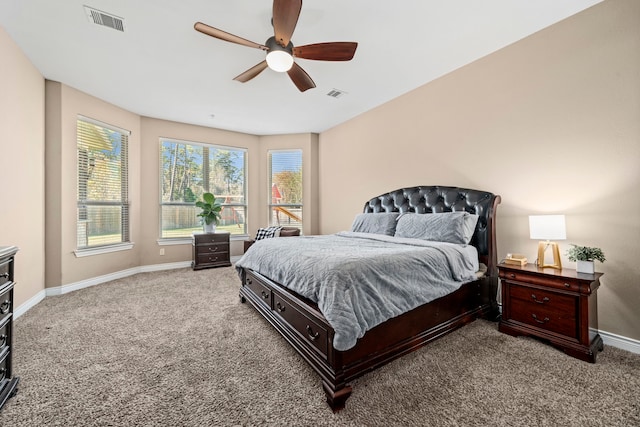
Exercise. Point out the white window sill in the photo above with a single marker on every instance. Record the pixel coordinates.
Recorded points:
(80, 253)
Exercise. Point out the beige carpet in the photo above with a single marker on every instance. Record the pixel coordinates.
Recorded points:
(177, 348)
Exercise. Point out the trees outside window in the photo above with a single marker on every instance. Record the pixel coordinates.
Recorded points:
(189, 169)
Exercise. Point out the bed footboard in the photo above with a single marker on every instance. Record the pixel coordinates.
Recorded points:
(300, 322)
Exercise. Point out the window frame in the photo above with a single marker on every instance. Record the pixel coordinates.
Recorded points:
(163, 241)
(123, 203)
(269, 189)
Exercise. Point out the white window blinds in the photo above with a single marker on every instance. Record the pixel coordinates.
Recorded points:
(285, 176)
(103, 200)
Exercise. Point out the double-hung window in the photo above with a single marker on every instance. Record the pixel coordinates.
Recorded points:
(103, 200)
(189, 169)
(285, 182)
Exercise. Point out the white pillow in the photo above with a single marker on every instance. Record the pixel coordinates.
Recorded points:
(376, 223)
(451, 227)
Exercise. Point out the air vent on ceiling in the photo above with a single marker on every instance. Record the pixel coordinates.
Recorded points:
(336, 93)
(105, 19)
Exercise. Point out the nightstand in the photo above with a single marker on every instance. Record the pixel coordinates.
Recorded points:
(558, 306)
(210, 250)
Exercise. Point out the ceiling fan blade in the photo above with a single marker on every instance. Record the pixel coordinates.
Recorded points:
(251, 72)
(228, 37)
(332, 51)
(285, 18)
(300, 78)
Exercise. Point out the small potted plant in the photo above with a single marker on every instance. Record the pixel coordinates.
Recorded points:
(210, 212)
(584, 256)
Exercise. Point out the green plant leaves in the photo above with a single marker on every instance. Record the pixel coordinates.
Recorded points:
(211, 208)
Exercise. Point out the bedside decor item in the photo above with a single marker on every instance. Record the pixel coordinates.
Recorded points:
(210, 213)
(515, 259)
(584, 257)
(547, 228)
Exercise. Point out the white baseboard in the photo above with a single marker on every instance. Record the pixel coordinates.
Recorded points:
(64, 289)
(619, 341)
(31, 302)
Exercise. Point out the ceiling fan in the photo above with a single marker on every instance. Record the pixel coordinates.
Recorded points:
(281, 51)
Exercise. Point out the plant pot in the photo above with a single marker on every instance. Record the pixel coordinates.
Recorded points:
(585, 267)
(209, 228)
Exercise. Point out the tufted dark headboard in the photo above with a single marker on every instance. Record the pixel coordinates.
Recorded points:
(435, 198)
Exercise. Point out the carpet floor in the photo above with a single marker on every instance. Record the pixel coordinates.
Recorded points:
(177, 348)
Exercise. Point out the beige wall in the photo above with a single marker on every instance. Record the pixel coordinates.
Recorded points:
(551, 123)
(22, 156)
(63, 105)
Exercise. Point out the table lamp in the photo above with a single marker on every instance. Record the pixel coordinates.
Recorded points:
(547, 228)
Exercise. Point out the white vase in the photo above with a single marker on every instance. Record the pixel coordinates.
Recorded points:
(585, 267)
(209, 228)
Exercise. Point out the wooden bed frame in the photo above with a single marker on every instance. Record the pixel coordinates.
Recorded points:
(305, 328)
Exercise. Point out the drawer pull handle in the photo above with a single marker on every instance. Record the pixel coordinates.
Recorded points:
(280, 307)
(312, 336)
(545, 320)
(4, 307)
(513, 276)
(566, 285)
(3, 340)
(4, 275)
(545, 299)
(214, 249)
(265, 295)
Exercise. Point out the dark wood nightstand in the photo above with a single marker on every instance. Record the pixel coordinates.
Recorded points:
(210, 250)
(559, 306)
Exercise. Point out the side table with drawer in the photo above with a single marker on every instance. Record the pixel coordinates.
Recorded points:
(8, 382)
(210, 250)
(558, 306)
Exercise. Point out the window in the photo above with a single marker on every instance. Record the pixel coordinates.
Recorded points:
(189, 169)
(285, 173)
(103, 201)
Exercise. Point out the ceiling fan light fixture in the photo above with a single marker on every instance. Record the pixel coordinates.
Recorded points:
(279, 60)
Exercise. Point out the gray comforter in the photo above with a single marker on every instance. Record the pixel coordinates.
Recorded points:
(360, 280)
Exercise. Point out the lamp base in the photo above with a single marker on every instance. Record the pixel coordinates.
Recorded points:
(542, 247)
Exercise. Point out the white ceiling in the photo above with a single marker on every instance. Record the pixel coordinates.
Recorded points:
(161, 67)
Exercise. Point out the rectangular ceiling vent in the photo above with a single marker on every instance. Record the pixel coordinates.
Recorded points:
(336, 93)
(105, 19)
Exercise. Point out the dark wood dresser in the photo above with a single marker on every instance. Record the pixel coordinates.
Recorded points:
(210, 250)
(8, 383)
(559, 306)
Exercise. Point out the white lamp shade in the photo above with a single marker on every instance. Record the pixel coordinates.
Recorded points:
(547, 227)
(279, 60)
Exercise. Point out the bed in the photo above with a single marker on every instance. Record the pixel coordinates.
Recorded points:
(272, 279)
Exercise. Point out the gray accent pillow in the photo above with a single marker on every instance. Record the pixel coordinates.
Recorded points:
(451, 227)
(376, 223)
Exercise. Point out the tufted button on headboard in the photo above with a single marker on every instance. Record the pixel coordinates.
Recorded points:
(436, 199)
